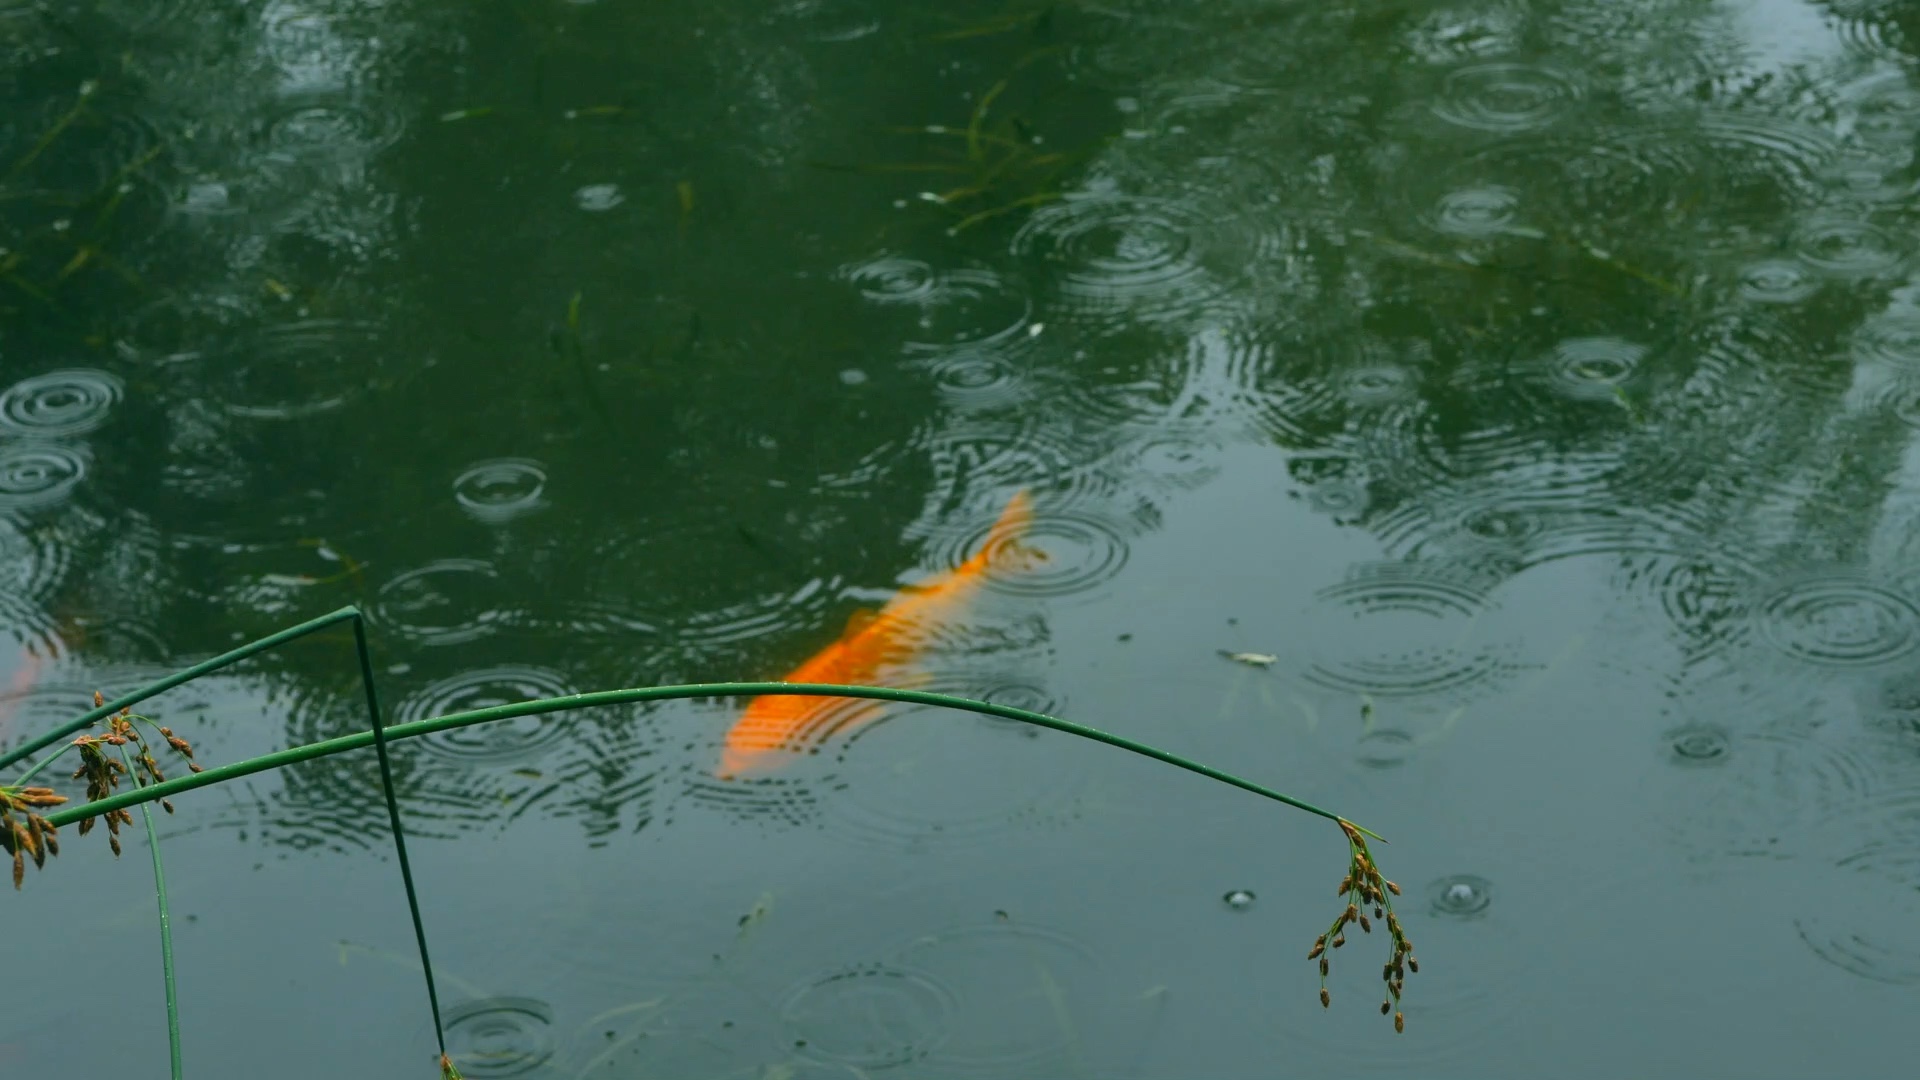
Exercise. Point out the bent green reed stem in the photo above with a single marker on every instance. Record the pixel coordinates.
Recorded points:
(393, 818)
(161, 686)
(361, 740)
(166, 932)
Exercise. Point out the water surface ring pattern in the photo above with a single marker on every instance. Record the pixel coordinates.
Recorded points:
(501, 489)
(58, 403)
(494, 1038)
(870, 1016)
(33, 475)
(519, 739)
(1839, 622)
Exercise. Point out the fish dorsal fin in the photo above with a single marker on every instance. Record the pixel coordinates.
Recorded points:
(859, 621)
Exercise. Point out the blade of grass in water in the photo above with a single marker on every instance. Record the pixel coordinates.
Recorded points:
(166, 929)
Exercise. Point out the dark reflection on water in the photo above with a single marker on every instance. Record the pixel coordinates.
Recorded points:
(1562, 360)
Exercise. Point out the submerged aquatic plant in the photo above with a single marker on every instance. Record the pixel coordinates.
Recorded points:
(38, 835)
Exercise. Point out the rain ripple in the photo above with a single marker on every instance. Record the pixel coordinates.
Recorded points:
(1748, 775)
(296, 370)
(1869, 912)
(979, 379)
(1145, 259)
(443, 603)
(1487, 210)
(1891, 341)
(986, 969)
(969, 306)
(501, 489)
(500, 1037)
(1061, 554)
(940, 780)
(1839, 620)
(869, 1016)
(33, 476)
(59, 403)
(1506, 97)
(976, 456)
(329, 128)
(519, 739)
(1400, 630)
(1777, 281)
(1847, 248)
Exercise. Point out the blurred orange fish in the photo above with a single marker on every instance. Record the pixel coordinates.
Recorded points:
(874, 644)
(18, 687)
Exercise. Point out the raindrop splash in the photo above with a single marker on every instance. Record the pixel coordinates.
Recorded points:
(59, 403)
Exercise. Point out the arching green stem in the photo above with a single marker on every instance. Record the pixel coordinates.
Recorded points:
(414, 730)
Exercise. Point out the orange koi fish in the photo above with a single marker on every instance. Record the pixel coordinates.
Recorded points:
(874, 644)
(18, 687)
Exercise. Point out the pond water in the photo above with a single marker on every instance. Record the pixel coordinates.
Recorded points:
(1528, 391)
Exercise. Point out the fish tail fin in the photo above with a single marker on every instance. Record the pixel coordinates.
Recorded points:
(1016, 517)
(1003, 539)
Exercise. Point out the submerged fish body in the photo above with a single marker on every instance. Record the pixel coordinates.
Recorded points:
(18, 687)
(875, 646)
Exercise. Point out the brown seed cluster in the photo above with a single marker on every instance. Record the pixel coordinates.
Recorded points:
(37, 838)
(1365, 890)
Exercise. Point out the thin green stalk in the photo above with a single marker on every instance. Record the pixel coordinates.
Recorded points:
(434, 725)
(39, 765)
(161, 686)
(393, 818)
(166, 929)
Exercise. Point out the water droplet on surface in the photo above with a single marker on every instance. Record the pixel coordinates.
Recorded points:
(295, 370)
(1847, 248)
(500, 1037)
(869, 1017)
(1777, 281)
(1504, 97)
(1461, 895)
(1698, 745)
(1400, 631)
(442, 603)
(33, 475)
(598, 198)
(333, 128)
(518, 739)
(1839, 621)
(58, 403)
(1478, 211)
(1386, 748)
(1145, 259)
(992, 972)
(1592, 368)
(501, 489)
(1061, 554)
(1238, 899)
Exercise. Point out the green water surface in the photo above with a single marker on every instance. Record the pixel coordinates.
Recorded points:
(1536, 384)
